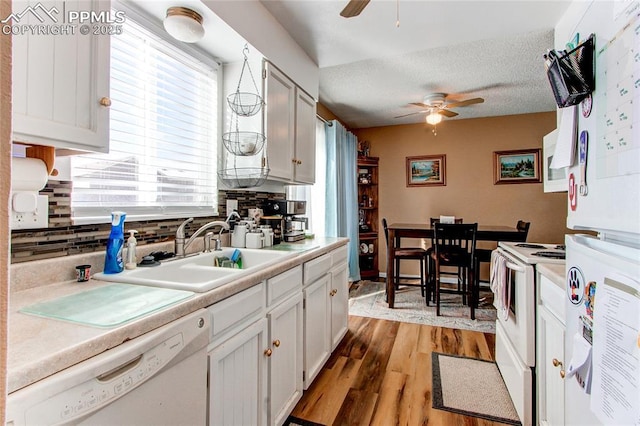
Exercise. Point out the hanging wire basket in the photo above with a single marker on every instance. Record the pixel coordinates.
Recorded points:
(243, 103)
(243, 143)
(243, 177)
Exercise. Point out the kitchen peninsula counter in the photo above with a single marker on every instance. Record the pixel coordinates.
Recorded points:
(39, 347)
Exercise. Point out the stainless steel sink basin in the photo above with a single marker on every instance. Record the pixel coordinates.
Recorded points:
(196, 273)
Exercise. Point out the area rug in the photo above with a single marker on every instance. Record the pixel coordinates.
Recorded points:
(472, 387)
(367, 299)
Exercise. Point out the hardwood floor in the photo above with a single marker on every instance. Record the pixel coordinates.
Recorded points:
(380, 374)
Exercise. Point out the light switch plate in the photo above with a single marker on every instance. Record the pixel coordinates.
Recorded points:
(232, 205)
(39, 218)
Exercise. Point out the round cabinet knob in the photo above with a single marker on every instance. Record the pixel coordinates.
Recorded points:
(105, 102)
(268, 352)
(294, 161)
(299, 162)
(562, 373)
(556, 363)
(200, 322)
(333, 292)
(276, 343)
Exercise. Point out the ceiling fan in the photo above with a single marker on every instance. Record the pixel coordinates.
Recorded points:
(354, 8)
(435, 105)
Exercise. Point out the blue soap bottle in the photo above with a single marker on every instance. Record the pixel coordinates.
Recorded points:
(113, 262)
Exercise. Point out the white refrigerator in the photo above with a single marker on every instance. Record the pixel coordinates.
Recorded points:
(602, 297)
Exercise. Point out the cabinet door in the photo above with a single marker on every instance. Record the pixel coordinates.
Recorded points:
(58, 82)
(317, 328)
(280, 122)
(285, 362)
(339, 295)
(305, 153)
(550, 382)
(237, 378)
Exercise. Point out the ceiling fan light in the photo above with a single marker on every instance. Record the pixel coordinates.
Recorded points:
(434, 118)
(184, 24)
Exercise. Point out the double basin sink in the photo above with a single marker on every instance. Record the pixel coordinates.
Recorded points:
(197, 272)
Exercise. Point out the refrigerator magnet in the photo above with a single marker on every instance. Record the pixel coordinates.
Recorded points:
(582, 155)
(573, 198)
(575, 285)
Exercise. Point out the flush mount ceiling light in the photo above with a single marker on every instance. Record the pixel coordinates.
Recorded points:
(434, 118)
(184, 24)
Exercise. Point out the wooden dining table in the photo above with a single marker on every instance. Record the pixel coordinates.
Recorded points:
(397, 231)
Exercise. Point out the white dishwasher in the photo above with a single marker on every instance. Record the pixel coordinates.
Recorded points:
(159, 378)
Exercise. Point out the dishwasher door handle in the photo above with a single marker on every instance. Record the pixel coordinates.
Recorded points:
(129, 365)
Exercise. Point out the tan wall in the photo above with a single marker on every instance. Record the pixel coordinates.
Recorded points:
(470, 192)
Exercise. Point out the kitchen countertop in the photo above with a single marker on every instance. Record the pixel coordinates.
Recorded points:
(39, 347)
(555, 272)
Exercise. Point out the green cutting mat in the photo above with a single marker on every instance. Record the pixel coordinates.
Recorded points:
(108, 306)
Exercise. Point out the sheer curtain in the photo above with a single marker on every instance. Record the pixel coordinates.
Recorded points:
(341, 209)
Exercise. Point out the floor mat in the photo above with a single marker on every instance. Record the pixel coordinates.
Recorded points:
(472, 387)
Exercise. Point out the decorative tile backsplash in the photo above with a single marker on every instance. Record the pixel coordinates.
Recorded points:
(62, 238)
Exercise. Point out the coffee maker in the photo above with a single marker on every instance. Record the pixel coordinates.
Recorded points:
(293, 225)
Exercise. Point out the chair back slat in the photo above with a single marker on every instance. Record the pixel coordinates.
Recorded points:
(459, 238)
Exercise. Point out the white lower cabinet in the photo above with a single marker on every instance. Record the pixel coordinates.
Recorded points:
(285, 358)
(326, 309)
(550, 353)
(237, 372)
(339, 295)
(317, 331)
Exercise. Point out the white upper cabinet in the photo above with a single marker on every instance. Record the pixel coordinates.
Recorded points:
(61, 82)
(290, 128)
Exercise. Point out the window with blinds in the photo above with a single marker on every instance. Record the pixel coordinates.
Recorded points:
(163, 135)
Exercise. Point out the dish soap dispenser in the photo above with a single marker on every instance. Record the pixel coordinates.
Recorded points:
(131, 262)
(113, 263)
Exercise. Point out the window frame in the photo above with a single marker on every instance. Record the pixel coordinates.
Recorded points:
(93, 215)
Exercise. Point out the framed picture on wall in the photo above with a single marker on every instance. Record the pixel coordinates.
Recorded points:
(518, 166)
(426, 170)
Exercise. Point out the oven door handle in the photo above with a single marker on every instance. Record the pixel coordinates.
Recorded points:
(515, 267)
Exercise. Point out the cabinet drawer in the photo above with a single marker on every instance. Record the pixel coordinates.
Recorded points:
(339, 256)
(283, 285)
(316, 268)
(236, 309)
(552, 297)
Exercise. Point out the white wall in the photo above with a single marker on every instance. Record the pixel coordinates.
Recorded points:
(256, 25)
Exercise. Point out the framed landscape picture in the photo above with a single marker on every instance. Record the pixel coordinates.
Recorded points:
(426, 170)
(518, 166)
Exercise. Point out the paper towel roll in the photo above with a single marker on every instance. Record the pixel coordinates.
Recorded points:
(28, 174)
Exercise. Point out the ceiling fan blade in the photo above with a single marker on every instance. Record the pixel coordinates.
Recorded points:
(447, 113)
(354, 8)
(419, 104)
(465, 103)
(411, 113)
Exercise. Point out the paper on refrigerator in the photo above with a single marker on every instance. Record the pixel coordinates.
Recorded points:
(615, 391)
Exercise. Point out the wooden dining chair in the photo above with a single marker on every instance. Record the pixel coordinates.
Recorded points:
(454, 246)
(430, 278)
(407, 253)
(484, 255)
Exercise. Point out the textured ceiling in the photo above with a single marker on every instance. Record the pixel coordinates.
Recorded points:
(370, 69)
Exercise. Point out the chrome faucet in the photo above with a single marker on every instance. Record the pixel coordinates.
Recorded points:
(181, 245)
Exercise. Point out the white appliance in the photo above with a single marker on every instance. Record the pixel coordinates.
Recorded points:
(515, 324)
(605, 199)
(159, 378)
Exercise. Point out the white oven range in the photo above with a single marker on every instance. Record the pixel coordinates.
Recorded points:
(515, 325)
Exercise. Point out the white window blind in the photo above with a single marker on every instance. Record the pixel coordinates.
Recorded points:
(163, 135)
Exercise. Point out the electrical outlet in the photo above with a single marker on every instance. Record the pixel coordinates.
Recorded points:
(39, 218)
(232, 205)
